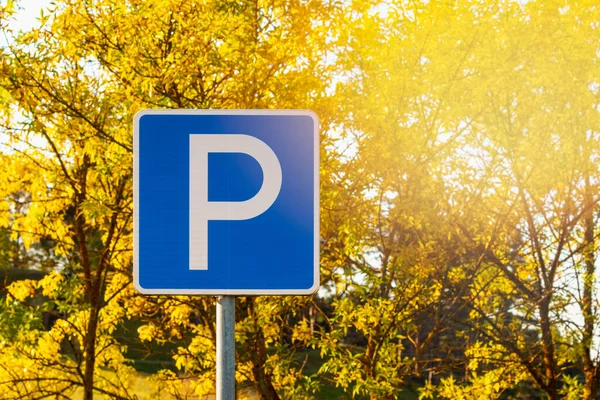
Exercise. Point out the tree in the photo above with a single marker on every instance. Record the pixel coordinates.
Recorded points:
(388, 213)
(491, 118)
(77, 80)
(532, 148)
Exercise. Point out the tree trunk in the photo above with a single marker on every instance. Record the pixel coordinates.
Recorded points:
(590, 390)
(92, 285)
(262, 380)
(548, 350)
(90, 350)
(590, 370)
(264, 386)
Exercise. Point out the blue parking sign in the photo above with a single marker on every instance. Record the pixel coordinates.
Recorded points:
(226, 202)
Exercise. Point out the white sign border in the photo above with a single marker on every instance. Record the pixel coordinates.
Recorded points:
(226, 292)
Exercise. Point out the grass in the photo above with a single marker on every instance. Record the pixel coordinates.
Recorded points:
(142, 391)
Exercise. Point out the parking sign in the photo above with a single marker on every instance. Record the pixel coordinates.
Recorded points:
(226, 202)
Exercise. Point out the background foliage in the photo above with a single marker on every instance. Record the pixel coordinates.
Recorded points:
(459, 200)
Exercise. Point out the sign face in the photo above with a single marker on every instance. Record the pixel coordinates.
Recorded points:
(226, 202)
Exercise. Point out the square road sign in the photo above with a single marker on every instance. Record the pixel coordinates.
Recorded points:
(226, 202)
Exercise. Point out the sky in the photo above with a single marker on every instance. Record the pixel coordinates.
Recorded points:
(28, 14)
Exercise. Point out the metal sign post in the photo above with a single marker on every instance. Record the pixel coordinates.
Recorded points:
(226, 348)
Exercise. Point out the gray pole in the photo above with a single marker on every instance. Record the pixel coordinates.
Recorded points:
(226, 348)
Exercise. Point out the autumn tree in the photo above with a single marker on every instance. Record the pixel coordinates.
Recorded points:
(74, 83)
(531, 79)
(388, 212)
(472, 140)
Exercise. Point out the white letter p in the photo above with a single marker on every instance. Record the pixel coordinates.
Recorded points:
(201, 210)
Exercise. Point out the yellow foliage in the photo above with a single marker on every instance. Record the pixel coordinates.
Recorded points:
(302, 332)
(23, 289)
(50, 283)
(147, 332)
